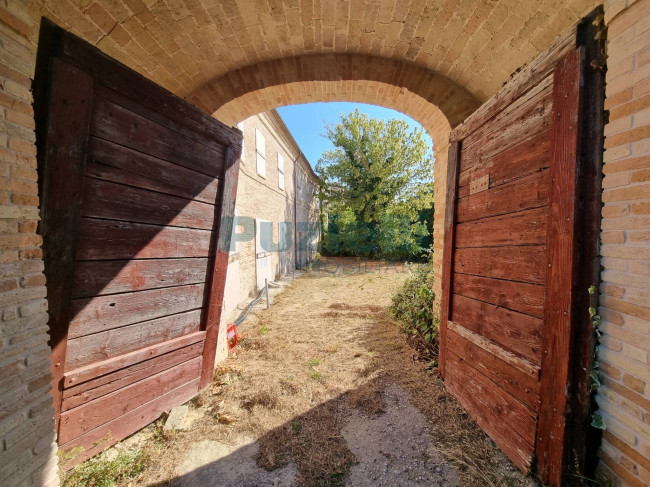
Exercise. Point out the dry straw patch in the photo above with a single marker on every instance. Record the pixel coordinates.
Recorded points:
(326, 347)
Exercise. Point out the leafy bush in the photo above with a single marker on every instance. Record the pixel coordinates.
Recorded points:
(413, 303)
(394, 236)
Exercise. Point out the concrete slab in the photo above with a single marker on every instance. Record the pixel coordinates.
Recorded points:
(176, 419)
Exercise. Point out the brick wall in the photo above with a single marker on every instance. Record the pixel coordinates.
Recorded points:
(261, 197)
(186, 48)
(26, 415)
(624, 399)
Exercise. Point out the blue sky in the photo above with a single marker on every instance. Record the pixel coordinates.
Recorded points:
(307, 123)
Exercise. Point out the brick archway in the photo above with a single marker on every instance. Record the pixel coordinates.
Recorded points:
(242, 55)
(395, 84)
(188, 46)
(433, 100)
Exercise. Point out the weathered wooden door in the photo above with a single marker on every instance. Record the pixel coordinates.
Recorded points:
(133, 184)
(520, 253)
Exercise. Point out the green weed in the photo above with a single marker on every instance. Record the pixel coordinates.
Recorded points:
(102, 472)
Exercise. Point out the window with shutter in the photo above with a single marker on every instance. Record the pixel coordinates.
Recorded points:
(280, 171)
(260, 150)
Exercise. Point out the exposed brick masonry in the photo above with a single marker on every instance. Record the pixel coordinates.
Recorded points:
(471, 46)
(624, 399)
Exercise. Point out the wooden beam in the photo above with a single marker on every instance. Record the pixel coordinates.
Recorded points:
(559, 310)
(98, 439)
(97, 369)
(66, 118)
(453, 163)
(585, 439)
(219, 271)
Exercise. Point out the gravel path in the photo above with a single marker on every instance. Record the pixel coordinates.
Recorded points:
(395, 449)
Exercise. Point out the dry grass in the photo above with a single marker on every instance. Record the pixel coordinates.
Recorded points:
(327, 346)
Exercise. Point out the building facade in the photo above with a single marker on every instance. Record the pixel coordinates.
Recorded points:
(277, 223)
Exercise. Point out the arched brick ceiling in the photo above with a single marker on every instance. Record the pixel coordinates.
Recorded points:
(187, 45)
(374, 93)
(433, 100)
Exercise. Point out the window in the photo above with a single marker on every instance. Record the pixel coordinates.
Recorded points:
(280, 171)
(298, 184)
(260, 150)
(240, 126)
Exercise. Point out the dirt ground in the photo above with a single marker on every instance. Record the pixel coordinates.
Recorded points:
(324, 389)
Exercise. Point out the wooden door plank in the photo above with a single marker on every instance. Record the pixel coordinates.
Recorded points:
(508, 422)
(118, 125)
(102, 313)
(97, 369)
(522, 228)
(112, 201)
(113, 162)
(559, 309)
(530, 155)
(527, 116)
(174, 123)
(513, 360)
(448, 263)
(517, 296)
(101, 346)
(61, 161)
(519, 333)
(133, 85)
(108, 434)
(219, 272)
(530, 76)
(524, 264)
(102, 277)
(522, 194)
(110, 239)
(100, 386)
(522, 386)
(75, 422)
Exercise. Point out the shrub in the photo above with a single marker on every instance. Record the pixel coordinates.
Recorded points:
(413, 303)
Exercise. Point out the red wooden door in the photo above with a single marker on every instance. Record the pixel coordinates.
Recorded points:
(520, 253)
(133, 182)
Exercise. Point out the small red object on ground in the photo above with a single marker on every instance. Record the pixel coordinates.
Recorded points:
(232, 336)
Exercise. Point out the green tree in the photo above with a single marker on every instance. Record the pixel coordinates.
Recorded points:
(377, 167)
(377, 182)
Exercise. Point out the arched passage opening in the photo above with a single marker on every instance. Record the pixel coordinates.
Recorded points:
(449, 32)
(433, 100)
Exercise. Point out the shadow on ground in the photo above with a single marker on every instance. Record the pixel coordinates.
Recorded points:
(325, 390)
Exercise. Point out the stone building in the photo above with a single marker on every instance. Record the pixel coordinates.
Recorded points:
(277, 207)
(436, 61)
